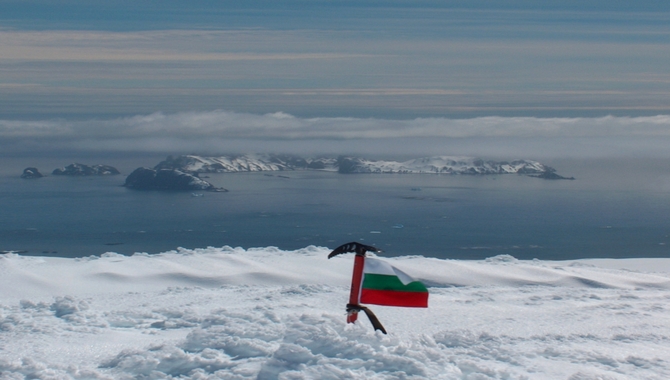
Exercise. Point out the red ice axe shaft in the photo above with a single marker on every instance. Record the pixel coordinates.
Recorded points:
(356, 278)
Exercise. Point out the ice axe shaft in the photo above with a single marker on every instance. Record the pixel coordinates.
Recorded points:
(354, 295)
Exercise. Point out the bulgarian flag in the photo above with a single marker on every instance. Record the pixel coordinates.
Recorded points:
(377, 282)
(383, 284)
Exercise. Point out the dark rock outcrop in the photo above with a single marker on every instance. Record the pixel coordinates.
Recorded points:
(167, 180)
(78, 170)
(550, 174)
(347, 164)
(30, 173)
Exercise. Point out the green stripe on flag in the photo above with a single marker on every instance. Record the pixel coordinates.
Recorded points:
(385, 282)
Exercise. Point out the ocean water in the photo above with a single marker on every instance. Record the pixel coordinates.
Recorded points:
(613, 209)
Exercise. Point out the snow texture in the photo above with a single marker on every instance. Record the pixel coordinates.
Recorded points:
(245, 163)
(443, 165)
(231, 313)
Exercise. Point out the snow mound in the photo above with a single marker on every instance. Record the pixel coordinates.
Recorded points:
(266, 313)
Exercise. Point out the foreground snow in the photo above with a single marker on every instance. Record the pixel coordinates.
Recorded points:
(224, 313)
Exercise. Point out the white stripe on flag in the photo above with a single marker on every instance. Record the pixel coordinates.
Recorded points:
(374, 266)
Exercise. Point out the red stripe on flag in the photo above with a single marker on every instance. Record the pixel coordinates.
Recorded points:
(394, 298)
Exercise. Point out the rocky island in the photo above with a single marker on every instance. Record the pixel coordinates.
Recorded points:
(78, 170)
(167, 180)
(31, 173)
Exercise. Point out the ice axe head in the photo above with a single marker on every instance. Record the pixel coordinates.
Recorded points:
(358, 248)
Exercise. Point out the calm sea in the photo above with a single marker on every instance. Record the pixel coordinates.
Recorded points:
(614, 209)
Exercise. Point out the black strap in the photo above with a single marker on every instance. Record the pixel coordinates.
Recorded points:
(371, 316)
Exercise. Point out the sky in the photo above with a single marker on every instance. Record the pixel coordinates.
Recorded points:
(420, 77)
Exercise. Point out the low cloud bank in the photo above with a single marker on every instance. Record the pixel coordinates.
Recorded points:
(219, 131)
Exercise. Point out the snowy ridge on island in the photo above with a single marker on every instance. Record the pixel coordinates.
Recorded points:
(343, 164)
(245, 163)
(442, 165)
(265, 313)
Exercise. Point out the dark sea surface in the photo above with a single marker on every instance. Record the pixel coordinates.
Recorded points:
(613, 209)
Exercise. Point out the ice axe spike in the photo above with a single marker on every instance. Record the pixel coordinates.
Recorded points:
(352, 308)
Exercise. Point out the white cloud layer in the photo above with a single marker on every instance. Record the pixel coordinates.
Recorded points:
(282, 126)
(224, 132)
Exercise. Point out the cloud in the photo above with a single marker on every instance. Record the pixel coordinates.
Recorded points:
(461, 65)
(222, 131)
(282, 126)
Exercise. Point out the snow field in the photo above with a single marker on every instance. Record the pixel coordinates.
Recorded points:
(229, 313)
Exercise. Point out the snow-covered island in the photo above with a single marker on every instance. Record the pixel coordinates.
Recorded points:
(442, 165)
(345, 164)
(181, 173)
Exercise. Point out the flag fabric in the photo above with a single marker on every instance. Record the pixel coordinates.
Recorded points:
(383, 284)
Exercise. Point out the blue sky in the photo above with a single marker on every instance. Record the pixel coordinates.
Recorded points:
(75, 61)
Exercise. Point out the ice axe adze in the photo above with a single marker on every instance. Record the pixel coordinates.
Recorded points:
(353, 307)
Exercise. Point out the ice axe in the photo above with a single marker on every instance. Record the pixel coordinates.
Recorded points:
(353, 307)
